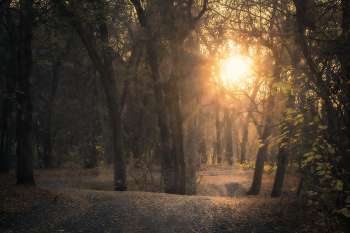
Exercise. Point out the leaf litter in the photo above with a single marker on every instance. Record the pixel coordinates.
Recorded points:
(83, 201)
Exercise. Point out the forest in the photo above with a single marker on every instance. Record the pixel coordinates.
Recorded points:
(173, 85)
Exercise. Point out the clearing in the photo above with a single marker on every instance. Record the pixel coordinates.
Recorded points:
(67, 200)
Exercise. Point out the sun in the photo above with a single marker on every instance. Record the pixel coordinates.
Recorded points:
(236, 67)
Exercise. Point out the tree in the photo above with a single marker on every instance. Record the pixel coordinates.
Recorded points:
(11, 76)
(174, 167)
(104, 65)
(24, 105)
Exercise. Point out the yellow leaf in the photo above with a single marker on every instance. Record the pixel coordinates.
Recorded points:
(345, 212)
(339, 185)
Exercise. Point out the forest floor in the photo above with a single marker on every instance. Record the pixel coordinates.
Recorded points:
(68, 200)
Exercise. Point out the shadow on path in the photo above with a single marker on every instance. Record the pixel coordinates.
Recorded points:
(232, 188)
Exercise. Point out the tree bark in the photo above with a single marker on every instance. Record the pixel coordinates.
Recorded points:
(24, 104)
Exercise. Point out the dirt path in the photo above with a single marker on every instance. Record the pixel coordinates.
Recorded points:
(222, 207)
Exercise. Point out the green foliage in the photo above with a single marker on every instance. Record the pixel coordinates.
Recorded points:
(325, 179)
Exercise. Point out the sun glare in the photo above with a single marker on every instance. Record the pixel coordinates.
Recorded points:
(236, 67)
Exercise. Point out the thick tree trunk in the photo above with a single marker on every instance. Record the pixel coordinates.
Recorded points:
(117, 131)
(23, 98)
(181, 189)
(260, 159)
(11, 75)
(6, 136)
(172, 95)
(281, 170)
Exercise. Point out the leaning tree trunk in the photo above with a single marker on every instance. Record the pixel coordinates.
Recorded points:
(260, 160)
(104, 64)
(283, 151)
(281, 169)
(247, 120)
(262, 152)
(24, 102)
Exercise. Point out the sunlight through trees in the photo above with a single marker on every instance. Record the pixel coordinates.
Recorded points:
(169, 85)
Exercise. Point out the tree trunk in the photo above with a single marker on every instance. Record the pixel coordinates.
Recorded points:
(172, 97)
(262, 152)
(181, 189)
(166, 151)
(218, 136)
(283, 151)
(117, 131)
(5, 152)
(23, 98)
(229, 140)
(11, 75)
(260, 159)
(104, 65)
(281, 169)
(244, 140)
(246, 123)
(136, 140)
(47, 143)
(108, 150)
